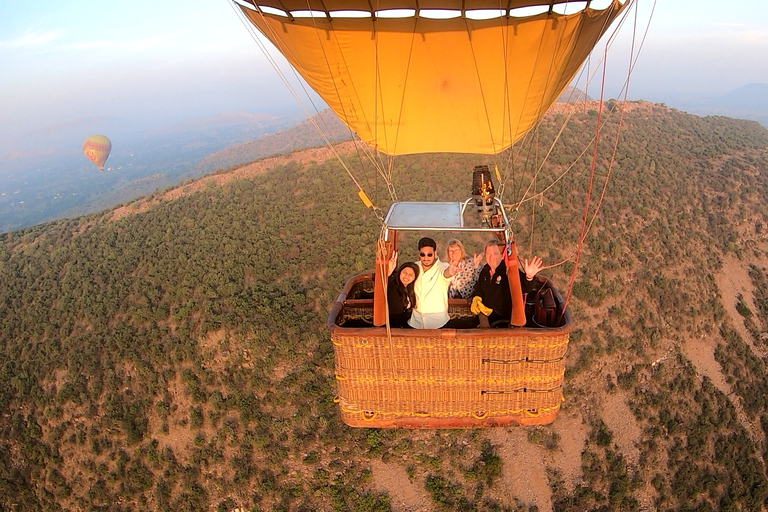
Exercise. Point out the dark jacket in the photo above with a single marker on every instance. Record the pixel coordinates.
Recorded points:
(400, 305)
(493, 289)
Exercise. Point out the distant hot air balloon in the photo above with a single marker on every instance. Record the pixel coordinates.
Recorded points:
(96, 148)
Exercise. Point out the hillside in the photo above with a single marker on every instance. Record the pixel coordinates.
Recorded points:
(171, 354)
(302, 136)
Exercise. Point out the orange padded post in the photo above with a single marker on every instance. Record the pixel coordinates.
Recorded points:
(515, 288)
(384, 251)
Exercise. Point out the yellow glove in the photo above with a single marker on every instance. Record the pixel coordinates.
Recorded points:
(478, 306)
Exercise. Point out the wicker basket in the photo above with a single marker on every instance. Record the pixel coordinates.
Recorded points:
(443, 378)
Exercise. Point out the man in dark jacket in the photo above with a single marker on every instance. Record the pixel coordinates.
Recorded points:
(492, 287)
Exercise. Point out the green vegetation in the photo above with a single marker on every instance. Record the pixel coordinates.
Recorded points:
(176, 358)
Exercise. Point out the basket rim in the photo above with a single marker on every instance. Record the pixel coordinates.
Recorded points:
(341, 301)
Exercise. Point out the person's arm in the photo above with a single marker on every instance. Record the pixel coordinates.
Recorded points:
(477, 260)
(392, 263)
(477, 291)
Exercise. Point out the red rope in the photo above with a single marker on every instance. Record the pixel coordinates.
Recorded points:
(589, 189)
(584, 227)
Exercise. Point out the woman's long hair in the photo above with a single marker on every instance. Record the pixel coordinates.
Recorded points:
(408, 293)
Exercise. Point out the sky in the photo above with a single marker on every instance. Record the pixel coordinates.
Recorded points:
(165, 62)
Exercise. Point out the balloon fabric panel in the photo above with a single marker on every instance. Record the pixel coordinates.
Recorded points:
(415, 85)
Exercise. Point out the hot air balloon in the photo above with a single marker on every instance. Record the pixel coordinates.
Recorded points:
(448, 76)
(96, 149)
(415, 84)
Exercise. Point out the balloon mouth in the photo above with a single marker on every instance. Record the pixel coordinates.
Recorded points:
(563, 8)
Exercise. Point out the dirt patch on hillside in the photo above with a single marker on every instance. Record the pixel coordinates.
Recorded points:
(733, 280)
(701, 352)
(524, 475)
(573, 434)
(405, 496)
(621, 421)
(179, 436)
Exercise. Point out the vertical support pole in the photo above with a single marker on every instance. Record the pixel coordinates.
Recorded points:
(515, 288)
(384, 251)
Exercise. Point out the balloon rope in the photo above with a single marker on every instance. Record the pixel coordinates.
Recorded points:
(527, 145)
(532, 230)
(480, 86)
(525, 197)
(539, 165)
(405, 85)
(580, 245)
(506, 113)
(371, 154)
(530, 83)
(562, 128)
(310, 117)
(381, 256)
(625, 91)
(541, 102)
(622, 110)
(384, 169)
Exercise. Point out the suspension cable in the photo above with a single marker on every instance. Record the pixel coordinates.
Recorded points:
(480, 84)
(580, 245)
(585, 227)
(622, 111)
(565, 122)
(310, 117)
(370, 153)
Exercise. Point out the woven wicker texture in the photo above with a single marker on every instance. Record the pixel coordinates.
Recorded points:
(472, 374)
(432, 375)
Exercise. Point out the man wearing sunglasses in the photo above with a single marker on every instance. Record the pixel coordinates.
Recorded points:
(431, 288)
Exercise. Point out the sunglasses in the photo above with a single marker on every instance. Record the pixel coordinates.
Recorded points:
(426, 255)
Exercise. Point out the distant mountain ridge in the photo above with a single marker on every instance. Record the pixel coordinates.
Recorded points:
(748, 97)
(746, 102)
(307, 134)
(572, 94)
(224, 120)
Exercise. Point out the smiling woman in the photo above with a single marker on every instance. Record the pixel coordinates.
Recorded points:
(467, 270)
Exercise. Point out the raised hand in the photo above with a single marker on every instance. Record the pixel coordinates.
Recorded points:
(477, 259)
(531, 268)
(392, 263)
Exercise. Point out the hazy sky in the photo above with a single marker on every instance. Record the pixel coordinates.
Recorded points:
(167, 61)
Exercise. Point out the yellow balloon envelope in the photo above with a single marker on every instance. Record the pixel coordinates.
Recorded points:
(416, 84)
(96, 148)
